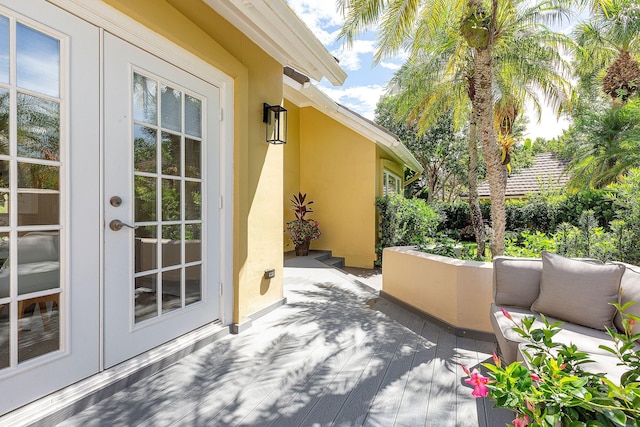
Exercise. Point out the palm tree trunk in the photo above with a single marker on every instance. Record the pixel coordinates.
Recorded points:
(474, 204)
(496, 171)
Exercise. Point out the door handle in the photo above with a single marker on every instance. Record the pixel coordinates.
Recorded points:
(116, 225)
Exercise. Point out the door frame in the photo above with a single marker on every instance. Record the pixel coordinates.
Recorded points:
(111, 20)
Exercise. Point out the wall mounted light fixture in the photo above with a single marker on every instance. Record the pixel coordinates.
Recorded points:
(275, 117)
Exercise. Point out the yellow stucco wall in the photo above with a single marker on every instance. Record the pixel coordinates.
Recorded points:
(338, 172)
(291, 167)
(258, 166)
(455, 291)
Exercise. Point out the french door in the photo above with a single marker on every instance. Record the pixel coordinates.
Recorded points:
(49, 200)
(162, 191)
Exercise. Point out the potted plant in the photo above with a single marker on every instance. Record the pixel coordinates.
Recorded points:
(302, 230)
(552, 389)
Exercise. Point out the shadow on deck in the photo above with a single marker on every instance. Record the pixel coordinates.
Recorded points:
(336, 354)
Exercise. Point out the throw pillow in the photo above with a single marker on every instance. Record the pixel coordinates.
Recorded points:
(516, 281)
(629, 291)
(578, 291)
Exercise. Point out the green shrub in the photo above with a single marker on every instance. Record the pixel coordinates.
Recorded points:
(529, 245)
(404, 222)
(626, 198)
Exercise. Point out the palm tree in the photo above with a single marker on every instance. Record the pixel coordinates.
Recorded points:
(609, 146)
(608, 43)
(466, 36)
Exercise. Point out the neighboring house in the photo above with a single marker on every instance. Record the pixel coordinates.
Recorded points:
(141, 201)
(548, 173)
(342, 161)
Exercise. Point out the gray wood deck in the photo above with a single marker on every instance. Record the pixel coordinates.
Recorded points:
(335, 355)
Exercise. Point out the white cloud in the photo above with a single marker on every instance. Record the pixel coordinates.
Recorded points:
(361, 99)
(390, 65)
(351, 58)
(325, 21)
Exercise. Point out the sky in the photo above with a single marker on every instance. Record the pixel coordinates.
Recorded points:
(367, 81)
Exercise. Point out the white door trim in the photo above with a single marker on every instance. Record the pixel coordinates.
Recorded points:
(121, 25)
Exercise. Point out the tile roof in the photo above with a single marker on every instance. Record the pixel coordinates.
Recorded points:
(547, 173)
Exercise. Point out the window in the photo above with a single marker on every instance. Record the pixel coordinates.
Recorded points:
(31, 105)
(167, 145)
(392, 184)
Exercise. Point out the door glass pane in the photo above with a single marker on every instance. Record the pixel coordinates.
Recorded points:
(193, 245)
(38, 128)
(193, 116)
(4, 265)
(4, 49)
(4, 208)
(192, 200)
(192, 158)
(43, 177)
(171, 290)
(144, 149)
(4, 121)
(36, 208)
(171, 108)
(193, 281)
(38, 262)
(5, 346)
(145, 96)
(38, 61)
(145, 196)
(146, 248)
(171, 245)
(4, 175)
(38, 326)
(171, 200)
(170, 154)
(146, 297)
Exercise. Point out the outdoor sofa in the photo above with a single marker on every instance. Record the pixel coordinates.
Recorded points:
(575, 292)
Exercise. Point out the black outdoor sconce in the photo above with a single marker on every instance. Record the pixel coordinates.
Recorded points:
(275, 117)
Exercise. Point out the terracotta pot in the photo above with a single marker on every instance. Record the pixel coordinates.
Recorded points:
(303, 249)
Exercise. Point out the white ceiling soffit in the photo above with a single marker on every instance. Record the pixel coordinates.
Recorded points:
(273, 26)
(308, 95)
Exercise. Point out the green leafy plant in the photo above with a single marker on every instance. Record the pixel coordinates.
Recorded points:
(404, 222)
(302, 230)
(553, 389)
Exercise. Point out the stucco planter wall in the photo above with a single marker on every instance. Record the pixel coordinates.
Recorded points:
(454, 291)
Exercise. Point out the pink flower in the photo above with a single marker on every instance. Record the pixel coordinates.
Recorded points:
(465, 369)
(506, 313)
(496, 359)
(535, 377)
(521, 421)
(530, 406)
(631, 323)
(479, 383)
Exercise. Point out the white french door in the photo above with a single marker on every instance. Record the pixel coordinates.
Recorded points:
(162, 192)
(49, 200)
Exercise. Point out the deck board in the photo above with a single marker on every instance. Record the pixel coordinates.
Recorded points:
(335, 355)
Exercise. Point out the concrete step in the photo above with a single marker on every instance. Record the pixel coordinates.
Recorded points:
(325, 257)
(320, 255)
(335, 262)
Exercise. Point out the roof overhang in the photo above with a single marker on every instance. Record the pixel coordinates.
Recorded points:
(275, 27)
(308, 95)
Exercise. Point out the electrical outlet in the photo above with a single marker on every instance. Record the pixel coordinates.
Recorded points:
(270, 274)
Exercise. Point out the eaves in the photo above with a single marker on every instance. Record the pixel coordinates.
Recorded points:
(275, 27)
